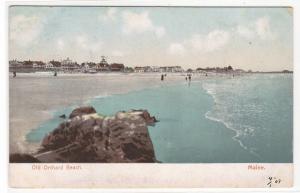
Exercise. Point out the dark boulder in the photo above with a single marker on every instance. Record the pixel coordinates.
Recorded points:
(22, 158)
(82, 111)
(122, 138)
(63, 116)
(150, 120)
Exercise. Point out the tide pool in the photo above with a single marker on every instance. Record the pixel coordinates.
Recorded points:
(191, 128)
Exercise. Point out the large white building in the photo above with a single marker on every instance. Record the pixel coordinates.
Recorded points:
(68, 64)
(49, 65)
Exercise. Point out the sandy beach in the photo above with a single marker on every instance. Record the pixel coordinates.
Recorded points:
(34, 96)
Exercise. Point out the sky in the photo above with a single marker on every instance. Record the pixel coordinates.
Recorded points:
(192, 37)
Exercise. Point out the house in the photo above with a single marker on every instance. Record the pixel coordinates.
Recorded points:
(171, 69)
(49, 66)
(155, 69)
(89, 66)
(116, 67)
(147, 69)
(27, 64)
(68, 64)
(35, 65)
(139, 69)
(239, 70)
(38, 64)
(85, 67)
(53, 65)
(176, 69)
(102, 67)
(15, 63)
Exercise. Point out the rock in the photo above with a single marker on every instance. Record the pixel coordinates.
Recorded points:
(150, 120)
(122, 138)
(22, 158)
(82, 111)
(63, 116)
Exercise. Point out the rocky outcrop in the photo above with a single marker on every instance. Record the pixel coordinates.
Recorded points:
(89, 137)
(22, 158)
(82, 111)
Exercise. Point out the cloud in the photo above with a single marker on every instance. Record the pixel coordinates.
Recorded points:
(201, 43)
(86, 44)
(258, 29)
(263, 29)
(25, 30)
(110, 15)
(60, 44)
(214, 40)
(160, 31)
(78, 47)
(176, 49)
(245, 31)
(140, 23)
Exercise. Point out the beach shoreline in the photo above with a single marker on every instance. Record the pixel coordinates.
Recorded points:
(39, 98)
(47, 98)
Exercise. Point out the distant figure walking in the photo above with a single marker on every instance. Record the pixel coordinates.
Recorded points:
(189, 76)
(162, 77)
(186, 78)
(55, 73)
(14, 74)
(205, 74)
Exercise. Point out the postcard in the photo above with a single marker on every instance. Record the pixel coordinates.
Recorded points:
(111, 96)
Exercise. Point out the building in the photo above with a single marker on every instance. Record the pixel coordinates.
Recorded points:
(103, 65)
(27, 64)
(68, 65)
(49, 66)
(117, 67)
(53, 65)
(239, 70)
(171, 69)
(176, 69)
(15, 63)
(147, 69)
(38, 65)
(139, 69)
(155, 69)
(85, 67)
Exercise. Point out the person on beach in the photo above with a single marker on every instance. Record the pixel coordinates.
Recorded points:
(55, 73)
(162, 77)
(189, 82)
(190, 77)
(14, 74)
(186, 78)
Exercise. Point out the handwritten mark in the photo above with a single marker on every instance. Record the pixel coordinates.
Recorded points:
(272, 181)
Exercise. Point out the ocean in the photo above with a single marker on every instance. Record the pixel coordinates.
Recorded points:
(245, 119)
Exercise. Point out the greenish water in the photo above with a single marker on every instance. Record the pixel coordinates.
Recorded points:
(245, 119)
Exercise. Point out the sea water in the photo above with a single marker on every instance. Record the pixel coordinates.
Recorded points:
(222, 120)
